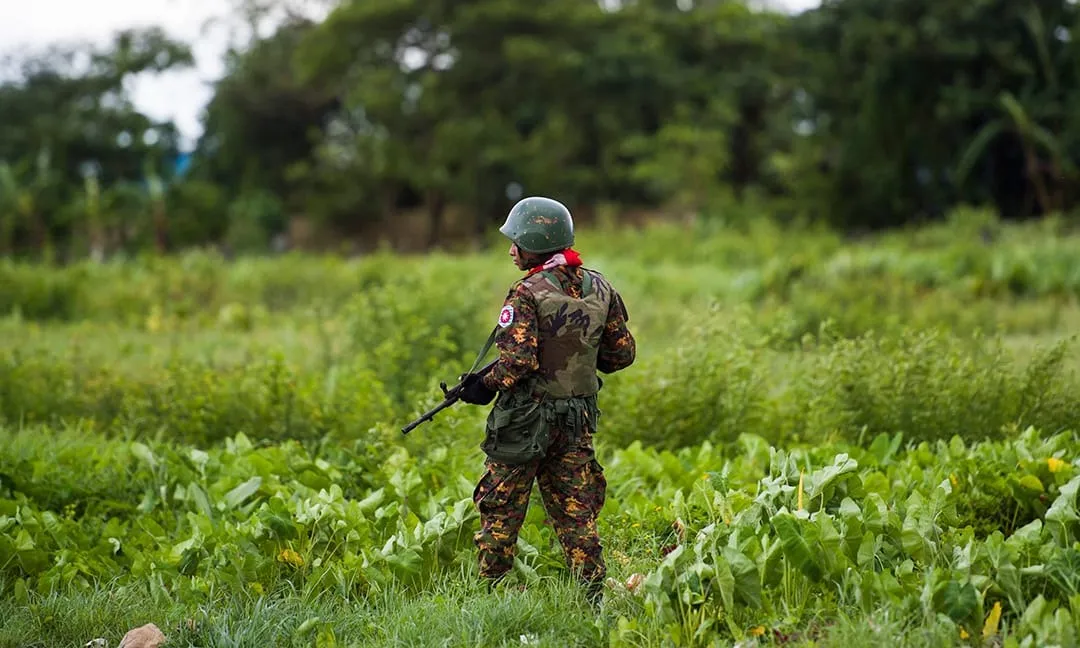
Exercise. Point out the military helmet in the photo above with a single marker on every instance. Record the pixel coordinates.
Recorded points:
(539, 225)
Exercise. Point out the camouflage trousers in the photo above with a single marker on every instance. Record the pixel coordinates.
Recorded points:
(572, 486)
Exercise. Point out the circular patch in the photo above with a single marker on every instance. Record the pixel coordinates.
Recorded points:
(506, 316)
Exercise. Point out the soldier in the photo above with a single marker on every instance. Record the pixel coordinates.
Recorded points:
(559, 325)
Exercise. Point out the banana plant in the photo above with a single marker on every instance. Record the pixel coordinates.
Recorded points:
(1049, 178)
(20, 201)
(10, 196)
(1030, 118)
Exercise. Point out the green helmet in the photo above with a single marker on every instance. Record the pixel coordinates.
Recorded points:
(539, 225)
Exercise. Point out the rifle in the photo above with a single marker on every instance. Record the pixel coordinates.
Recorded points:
(451, 395)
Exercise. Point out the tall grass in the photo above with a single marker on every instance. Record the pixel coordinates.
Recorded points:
(214, 446)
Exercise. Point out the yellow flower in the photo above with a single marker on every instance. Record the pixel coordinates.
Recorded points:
(1055, 464)
(756, 631)
(964, 634)
(955, 482)
(291, 557)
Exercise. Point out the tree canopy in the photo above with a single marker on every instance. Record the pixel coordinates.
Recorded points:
(861, 114)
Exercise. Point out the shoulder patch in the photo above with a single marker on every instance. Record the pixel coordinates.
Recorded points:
(506, 316)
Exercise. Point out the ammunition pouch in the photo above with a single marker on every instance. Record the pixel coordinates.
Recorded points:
(518, 430)
(519, 426)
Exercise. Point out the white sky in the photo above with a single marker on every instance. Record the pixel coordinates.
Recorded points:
(180, 96)
(176, 95)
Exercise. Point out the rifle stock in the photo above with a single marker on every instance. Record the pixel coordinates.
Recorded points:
(451, 396)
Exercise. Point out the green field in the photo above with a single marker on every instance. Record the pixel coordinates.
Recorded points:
(823, 442)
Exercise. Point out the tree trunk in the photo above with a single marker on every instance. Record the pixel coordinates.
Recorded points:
(436, 201)
(1036, 177)
(40, 231)
(97, 237)
(161, 229)
(7, 234)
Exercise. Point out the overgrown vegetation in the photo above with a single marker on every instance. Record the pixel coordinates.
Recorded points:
(215, 446)
(829, 437)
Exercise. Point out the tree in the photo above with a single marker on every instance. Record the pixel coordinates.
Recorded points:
(66, 115)
(898, 91)
(262, 118)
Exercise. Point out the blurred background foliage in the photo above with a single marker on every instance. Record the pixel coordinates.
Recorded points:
(415, 124)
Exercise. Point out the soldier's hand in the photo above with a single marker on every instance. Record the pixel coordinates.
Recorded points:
(474, 392)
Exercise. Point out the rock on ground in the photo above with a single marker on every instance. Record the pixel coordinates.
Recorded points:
(147, 636)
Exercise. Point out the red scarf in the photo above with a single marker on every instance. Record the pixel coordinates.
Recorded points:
(567, 257)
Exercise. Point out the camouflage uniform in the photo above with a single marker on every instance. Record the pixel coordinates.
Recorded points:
(554, 339)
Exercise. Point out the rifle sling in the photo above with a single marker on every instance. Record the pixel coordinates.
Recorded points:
(485, 349)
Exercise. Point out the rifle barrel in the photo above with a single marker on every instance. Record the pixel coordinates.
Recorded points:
(430, 414)
(452, 396)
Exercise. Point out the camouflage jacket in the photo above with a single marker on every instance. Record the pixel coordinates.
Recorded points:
(531, 316)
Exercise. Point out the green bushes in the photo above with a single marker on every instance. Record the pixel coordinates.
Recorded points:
(834, 440)
(239, 515)
(726, 379)
(36, 293)
(723, 379)
(953, 278)
(192, 402)
(726, 541)
(928, 386)
(830, 527)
